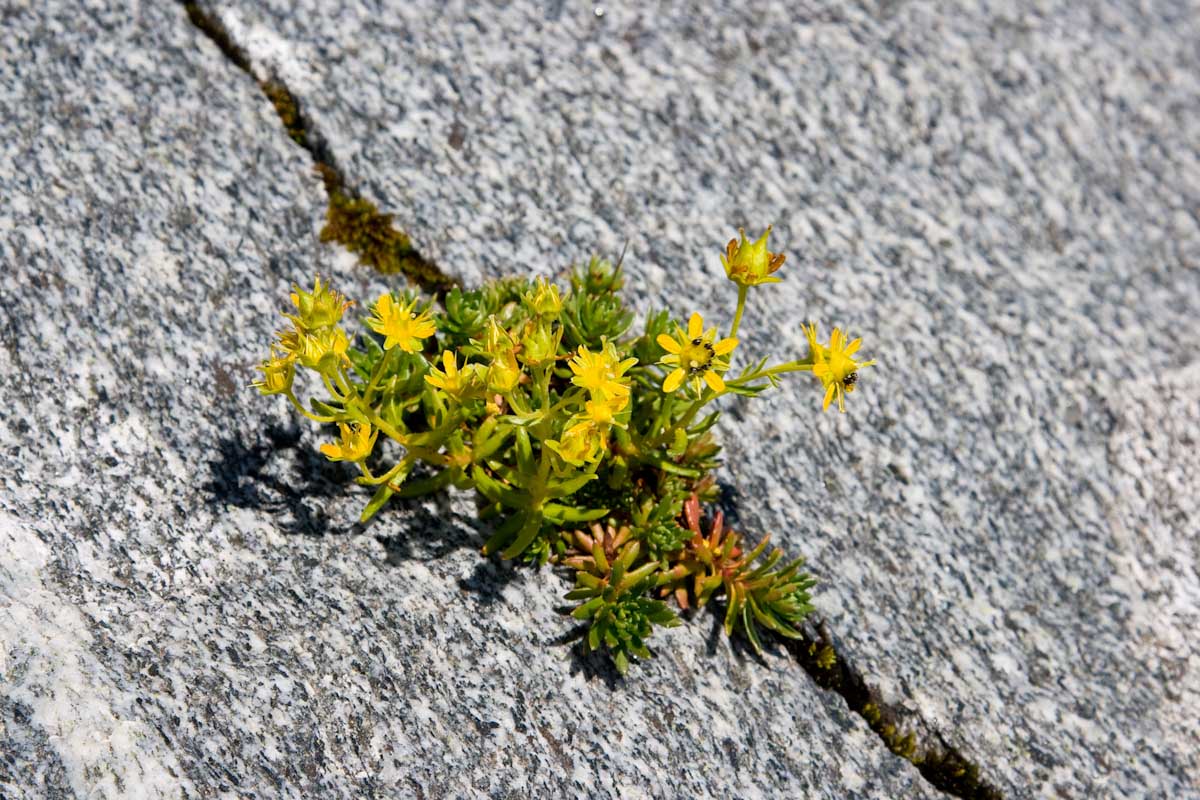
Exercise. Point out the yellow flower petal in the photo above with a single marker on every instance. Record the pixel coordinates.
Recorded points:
(673, 380)
(714, 381)
(725, 346)
(667, 343)
(695, 325)
(828, 396)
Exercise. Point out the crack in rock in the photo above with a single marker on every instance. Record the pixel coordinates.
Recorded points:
(351, 220)
(906, 735)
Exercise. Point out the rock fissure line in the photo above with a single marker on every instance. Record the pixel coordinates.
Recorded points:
(938, 762)
(351, 220)
(358, 225)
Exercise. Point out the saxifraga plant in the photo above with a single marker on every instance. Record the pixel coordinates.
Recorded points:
(591, 446)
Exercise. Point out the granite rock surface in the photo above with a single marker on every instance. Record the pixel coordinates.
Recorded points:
(185, 607)
(1004, 199)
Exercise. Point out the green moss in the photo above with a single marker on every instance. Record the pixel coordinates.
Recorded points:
(359, 226)
(827, 658)
(288, 110)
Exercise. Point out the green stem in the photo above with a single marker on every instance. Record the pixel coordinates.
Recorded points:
(543, 385)
(741, 306)
(427, 485)
(515, 401)
(778, 369)
(314, 417)
(371, 480)
(337, 396)
(382, 424)
(708, 396)
(380, 369)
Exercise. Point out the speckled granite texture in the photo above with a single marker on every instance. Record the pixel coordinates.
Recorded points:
(1004, 199)
(185, 610)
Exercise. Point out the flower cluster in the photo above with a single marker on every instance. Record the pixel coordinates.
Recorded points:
(588, 444)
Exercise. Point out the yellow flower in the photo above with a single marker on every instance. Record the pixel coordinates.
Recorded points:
(320, 308)
(600, 373)
(504, 373)
(605, 410)
(580, 444)
(750, 264)
(696, 357)
(356, 444)
(540, 344)
(834, 365)
(278, 372)
(496, 340)
(452, 381)
(321, 350)
(401, 325)
(544, 298)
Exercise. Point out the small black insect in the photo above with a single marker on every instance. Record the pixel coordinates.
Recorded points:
(850, 380)
(695, 342)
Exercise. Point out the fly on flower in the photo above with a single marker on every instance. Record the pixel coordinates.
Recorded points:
(834, 364)
(697, 356)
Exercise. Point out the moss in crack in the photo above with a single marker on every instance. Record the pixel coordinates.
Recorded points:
(288, 110)
(940, 764)
(359, 226)
(351, 220)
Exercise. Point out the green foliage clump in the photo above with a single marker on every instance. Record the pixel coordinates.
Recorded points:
(589, 442)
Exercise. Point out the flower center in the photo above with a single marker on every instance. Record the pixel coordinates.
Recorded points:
(696, 355)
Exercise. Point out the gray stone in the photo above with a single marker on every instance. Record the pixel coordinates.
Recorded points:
(1001, 199)
(185, 607)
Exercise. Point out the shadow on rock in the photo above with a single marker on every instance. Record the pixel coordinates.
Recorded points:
(252, 474)
(592, 665)
(431, 529)
(488, 580)
(742, 650)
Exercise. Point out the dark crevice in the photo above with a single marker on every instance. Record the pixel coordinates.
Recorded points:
(941, 764)
(351, 220)
(357, 224)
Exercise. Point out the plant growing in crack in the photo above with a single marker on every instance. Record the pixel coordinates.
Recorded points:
(590, 446)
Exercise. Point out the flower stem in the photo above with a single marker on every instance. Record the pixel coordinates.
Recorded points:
(307, 413)
(372, 480)
(382, 424)
(741, 307)
(380, 368)
(683, 421)
(779, 369)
